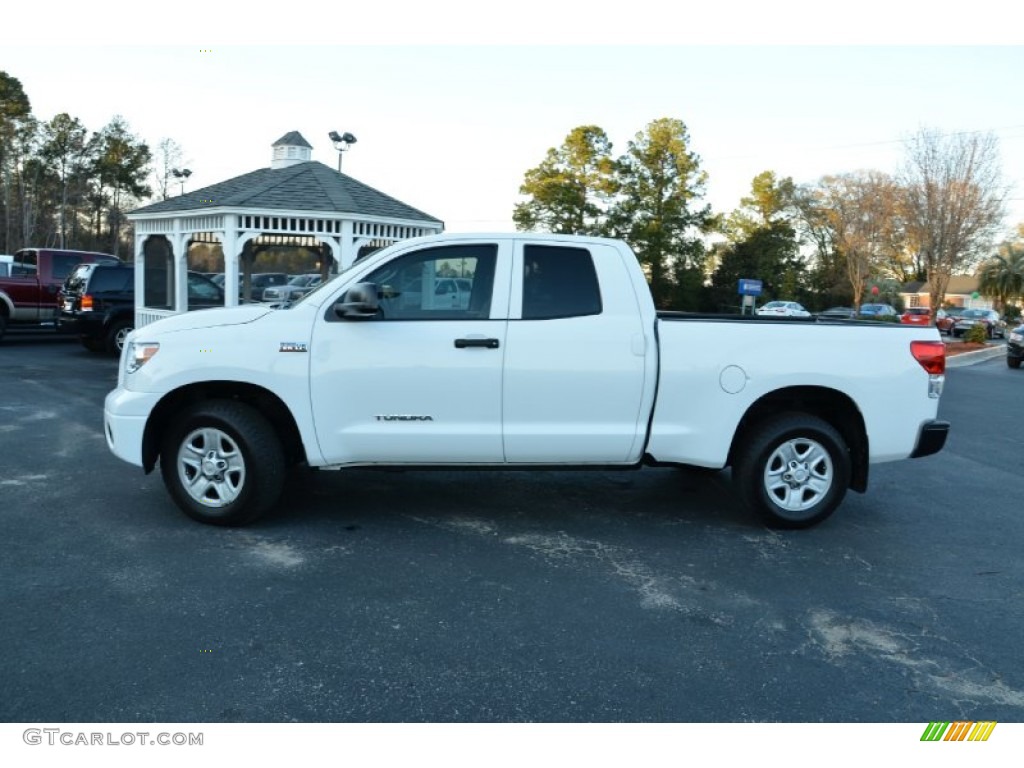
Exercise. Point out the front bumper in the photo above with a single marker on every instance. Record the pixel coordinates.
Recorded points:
(124, 422)
(931, 438)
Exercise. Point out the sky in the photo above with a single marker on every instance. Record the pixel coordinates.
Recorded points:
(450, 128)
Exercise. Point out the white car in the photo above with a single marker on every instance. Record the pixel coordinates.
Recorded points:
(783, 309)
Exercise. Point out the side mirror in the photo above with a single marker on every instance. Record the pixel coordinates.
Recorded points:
(359, 301)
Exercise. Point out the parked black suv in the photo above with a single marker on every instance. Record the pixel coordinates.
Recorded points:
(97, 302)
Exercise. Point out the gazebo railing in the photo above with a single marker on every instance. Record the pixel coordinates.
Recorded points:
(145, 316)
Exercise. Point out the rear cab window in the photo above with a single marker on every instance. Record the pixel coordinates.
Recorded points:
(559, 281)
(61, 264)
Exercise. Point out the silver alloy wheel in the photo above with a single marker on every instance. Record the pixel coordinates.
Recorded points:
(798, 474)
(121, 336)
(211, 467)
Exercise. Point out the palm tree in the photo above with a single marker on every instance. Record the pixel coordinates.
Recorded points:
(1002, 276)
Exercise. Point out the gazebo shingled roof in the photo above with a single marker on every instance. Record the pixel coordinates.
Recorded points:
(310, 186)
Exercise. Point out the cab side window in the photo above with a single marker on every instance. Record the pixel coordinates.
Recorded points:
(62, 264)
(24, 264)
(452, 282)
(559, 282)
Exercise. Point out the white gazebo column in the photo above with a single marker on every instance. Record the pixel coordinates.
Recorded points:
(234, 278)
(336, 250)
(140, 277)
(179, 252)
(231, 247)
(349, 250)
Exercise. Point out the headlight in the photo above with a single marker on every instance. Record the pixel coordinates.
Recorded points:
(1017, 338)
(139, 353)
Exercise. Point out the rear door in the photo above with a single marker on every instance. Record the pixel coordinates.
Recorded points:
(575, 364)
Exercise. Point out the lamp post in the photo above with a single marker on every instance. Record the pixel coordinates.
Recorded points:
(181, 175)
(341, 143)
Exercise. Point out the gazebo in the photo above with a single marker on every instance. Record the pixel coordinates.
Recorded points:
(295, 202)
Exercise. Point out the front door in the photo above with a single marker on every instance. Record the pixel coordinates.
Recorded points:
(420, 383)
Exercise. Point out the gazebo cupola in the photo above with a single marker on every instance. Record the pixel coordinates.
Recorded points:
(291, 149)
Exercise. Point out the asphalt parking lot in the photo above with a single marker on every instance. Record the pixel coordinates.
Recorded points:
(456, 596)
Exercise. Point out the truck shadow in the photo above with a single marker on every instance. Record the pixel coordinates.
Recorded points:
(661, 496)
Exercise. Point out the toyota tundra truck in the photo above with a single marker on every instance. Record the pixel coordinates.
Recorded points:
(556, 358)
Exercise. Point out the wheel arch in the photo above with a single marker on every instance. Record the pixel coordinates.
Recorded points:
(830, 405)
(266, 402)
(116, 315)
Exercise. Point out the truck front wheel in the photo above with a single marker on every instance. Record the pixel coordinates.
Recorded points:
(793, 470)
(222, 463)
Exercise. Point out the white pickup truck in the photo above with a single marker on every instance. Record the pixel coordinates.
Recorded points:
(556, 358)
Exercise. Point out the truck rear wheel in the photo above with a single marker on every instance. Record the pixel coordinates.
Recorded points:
(222, 463)
(793, 470)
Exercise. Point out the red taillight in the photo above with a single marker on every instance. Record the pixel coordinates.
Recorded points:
(86, 302)
(930, 354)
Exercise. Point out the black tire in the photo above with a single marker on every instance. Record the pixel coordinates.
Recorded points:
(233, 451)
(116, 335)
(1013, 362)
(3, 325)
(817, 453)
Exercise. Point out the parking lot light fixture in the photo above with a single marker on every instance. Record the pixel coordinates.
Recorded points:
(341, 143)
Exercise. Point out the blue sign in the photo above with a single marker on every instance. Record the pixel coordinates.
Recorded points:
(750, 287)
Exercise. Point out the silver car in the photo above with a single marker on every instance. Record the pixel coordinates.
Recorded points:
(295, 288)
(989, 318)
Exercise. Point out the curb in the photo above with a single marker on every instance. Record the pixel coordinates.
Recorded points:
(978, 356)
